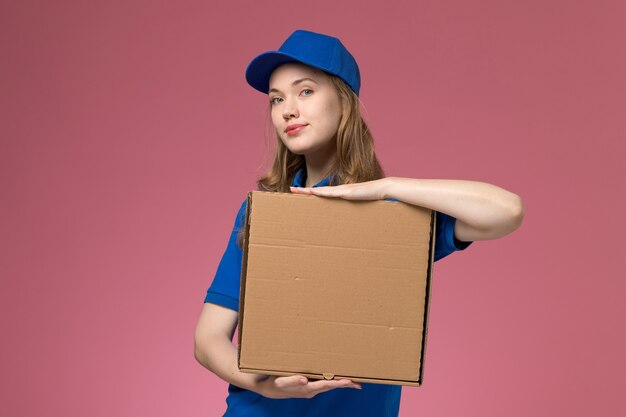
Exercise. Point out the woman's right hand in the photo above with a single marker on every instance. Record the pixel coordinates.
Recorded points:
(298, 386)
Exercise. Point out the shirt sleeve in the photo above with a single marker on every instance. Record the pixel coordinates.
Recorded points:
(224, 289)
(445, 242)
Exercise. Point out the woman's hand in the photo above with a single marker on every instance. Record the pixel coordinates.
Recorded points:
(370, 190)
(298, 386)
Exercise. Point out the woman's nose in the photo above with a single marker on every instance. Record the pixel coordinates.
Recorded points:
(290, 109)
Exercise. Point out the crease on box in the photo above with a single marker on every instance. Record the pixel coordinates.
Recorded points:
(244, 269)
(433, 233)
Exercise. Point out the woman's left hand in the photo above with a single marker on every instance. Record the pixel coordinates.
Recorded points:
(370, 190)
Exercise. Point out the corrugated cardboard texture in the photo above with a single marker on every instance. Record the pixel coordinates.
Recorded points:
(335, 288)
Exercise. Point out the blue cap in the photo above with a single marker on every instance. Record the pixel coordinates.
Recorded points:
(314, 49)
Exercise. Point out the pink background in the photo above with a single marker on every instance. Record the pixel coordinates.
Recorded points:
(129, 138)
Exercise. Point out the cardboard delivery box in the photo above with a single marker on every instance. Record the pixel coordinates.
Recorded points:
(334, 288)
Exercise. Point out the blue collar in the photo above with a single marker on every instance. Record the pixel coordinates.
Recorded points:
(299, 180)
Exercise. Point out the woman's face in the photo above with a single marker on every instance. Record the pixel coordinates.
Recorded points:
(302, 95)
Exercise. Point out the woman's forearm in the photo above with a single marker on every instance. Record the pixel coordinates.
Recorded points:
(481, 206)
(218, 355)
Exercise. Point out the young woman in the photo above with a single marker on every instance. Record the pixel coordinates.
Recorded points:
(324, 147)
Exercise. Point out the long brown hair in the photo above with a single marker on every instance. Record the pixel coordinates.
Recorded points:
(355, 160)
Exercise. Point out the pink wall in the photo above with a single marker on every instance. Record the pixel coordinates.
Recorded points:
(129, 138)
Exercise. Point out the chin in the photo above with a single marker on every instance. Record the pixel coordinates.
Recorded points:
(300, 148)
(304, 146)
(299, 151)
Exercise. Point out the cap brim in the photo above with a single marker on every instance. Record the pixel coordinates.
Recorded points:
(260, 69)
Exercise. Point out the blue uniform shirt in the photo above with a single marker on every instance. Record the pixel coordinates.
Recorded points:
(376, 400)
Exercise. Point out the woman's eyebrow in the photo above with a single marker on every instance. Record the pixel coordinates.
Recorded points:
(294, 83)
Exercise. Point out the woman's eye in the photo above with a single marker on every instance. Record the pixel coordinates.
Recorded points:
(274, 99)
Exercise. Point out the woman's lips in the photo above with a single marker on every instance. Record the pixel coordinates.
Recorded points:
(295, 130)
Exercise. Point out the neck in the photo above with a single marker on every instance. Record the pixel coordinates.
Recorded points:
(318, 167)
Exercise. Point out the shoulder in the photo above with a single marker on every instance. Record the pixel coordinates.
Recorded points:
(241, 213)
